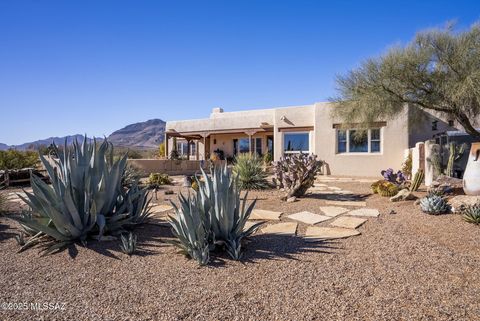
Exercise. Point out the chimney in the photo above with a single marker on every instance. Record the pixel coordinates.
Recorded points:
(217, 110)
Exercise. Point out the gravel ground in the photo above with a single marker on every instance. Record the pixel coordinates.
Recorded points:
(404, 266)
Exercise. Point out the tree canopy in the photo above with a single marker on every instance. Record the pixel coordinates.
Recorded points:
(439, 71)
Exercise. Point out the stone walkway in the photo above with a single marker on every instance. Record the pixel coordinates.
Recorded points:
(342, 214)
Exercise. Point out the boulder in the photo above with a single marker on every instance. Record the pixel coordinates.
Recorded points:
(291, 199)
(403, 195)
(459, 202)
(447, 181)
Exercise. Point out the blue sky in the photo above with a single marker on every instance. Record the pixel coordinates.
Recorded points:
(93, 67)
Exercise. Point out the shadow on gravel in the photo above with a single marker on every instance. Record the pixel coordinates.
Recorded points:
(6, 232)
(338, 197)
(275, 246)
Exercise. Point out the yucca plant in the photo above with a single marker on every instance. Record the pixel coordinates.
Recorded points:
(250, 173)
(434, 204)
(190, 226)
(471, 214)
(86, 197)
(128, 243)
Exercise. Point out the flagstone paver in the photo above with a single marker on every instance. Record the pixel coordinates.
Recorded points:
(320, 185)
(317, 232)
(333, 211)
(161, 208)
(249, 224)
(348, 222)
(265, 215)
(286, 228)
(347, 203)
(309, 218)
(370, 212)
(318, 188)
(334, 188)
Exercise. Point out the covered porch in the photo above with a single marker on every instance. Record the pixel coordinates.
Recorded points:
(201, 145)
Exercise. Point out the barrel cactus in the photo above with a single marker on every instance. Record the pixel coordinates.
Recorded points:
(471, 214)
(387, 189)
(375, 185)
(434, 204)
(295, 173)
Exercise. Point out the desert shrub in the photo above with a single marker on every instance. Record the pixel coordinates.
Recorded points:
(296, 173)
(407, 166)
(86, 198)
(15, 159)
(214, 217)
(434, 204)
(130, 176)
(250, 173)
(156, 180)
(471, 214)
(268, 158)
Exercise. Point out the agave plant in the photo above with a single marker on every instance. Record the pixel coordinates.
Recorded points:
(250, 173)
(434, 204)
(128, 243)
(471, 214)
(190, 228)
(215, 216)
(86, 197)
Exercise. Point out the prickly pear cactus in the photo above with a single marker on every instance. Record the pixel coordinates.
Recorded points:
(296, 173)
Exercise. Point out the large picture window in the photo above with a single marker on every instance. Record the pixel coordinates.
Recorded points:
(359, 140)
(296, 143)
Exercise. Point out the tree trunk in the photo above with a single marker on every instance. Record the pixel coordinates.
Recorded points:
(467, 125)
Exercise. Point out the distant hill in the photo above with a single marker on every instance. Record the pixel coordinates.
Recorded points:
(47, 141)
(148, 134)
(143, 135)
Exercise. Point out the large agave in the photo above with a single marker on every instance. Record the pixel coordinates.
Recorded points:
(227, 213)
(471, 214)
(85, 198)
(189, 227)
(434, 204)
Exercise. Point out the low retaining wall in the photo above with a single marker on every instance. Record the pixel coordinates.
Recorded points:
(170, 167)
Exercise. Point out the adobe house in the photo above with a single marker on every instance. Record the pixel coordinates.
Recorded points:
(307, 129)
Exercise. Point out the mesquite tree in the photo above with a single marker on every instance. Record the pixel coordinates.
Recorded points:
(439, 71)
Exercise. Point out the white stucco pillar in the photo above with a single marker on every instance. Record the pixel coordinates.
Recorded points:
(418, 158)
(430, 146)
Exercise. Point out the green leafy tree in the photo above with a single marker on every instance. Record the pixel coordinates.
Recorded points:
(438, 71)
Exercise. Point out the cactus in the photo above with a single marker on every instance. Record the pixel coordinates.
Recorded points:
(417, 180)
(128, 243)
(296, 173)
(434, 204)
(471, 214)
(375, 185)
(456, 152)
(387, 189)
(397, 178)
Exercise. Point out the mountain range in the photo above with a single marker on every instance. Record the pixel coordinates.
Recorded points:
(144, 135)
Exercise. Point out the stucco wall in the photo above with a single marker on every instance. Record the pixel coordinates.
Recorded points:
(393, 144)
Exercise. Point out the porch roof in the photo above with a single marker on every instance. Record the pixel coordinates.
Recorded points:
(195, 135)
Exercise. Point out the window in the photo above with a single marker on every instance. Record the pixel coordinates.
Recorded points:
(296, 143)
(258, 146)
(243, 145)
(342, 141)
(182, 148)
(375, 140)
(359, 141)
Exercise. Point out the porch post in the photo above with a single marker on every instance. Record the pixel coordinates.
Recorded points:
(196, 149)
(166, 145)
(188, 149)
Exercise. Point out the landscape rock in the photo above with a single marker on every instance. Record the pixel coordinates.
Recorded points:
(309, 218)
(445, 181)
(459, 202)
(325, 233)
(348, 222)
(403, 195)
(291, 199)
(287, 228)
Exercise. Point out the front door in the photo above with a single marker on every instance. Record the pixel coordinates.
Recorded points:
(270, 145)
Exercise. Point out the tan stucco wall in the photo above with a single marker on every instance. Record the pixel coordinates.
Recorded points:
(393, 144)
